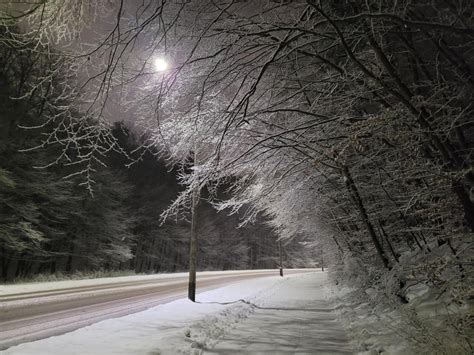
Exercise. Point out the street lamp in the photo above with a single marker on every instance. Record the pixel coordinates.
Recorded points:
(160, 64)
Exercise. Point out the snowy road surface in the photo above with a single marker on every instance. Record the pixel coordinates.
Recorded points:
(269, 315)
(34, 311)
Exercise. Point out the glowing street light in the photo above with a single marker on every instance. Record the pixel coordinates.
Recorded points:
(160, 64)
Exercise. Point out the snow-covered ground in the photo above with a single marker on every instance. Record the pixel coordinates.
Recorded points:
(6, 290)
(294, 317)
(430, 324)
(266, 315)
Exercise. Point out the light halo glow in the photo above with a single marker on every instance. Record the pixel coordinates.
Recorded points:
(160, 64)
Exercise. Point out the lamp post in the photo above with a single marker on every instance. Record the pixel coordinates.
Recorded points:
(280, 257)
(160, 65)
(193, 241)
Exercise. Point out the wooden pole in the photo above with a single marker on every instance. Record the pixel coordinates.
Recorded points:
(193, 244)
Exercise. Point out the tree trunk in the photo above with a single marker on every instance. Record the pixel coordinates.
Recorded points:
(354, 192)
(389, 243)
(466, 203)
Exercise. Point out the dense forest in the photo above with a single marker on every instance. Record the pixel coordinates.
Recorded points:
(347, 125)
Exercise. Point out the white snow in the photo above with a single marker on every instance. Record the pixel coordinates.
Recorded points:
(271, 315)
(424, 326)
(293, 317)
(6, 290)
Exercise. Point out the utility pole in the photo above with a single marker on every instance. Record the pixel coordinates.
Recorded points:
(279, 253)
(193, 242)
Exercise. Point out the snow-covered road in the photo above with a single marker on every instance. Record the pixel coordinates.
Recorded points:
(34, 311)
(270, 315)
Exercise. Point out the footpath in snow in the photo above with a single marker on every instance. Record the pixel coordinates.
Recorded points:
(270, 315)
(296, 318)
